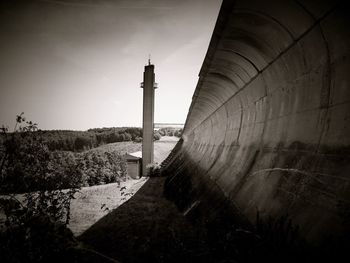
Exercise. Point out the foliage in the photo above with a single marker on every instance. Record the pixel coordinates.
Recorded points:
(70, 169)
(153, 170)
(138, 139)
(35, 225)
(170, 131)
(63, 169)
(35, 239)
(101, 167)
(28, 165)
(156, 136)
(79, 141)
(277, 239)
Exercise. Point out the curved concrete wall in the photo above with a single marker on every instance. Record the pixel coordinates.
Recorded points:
(269, 124)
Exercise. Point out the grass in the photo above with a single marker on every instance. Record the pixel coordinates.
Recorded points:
(92, 203)
(147, 228)
(121, 147)
(162, 147)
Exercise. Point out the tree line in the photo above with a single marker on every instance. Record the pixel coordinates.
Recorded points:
(77, 141)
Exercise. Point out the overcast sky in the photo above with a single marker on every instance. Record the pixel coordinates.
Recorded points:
(77, 64)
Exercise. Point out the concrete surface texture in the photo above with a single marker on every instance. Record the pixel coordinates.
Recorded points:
(268, 128)
(148, 117)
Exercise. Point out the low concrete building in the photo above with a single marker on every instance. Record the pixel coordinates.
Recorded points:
(133, 163)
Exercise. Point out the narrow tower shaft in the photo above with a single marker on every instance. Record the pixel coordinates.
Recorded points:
(148, 116)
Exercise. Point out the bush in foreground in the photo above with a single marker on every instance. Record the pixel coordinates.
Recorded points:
(35, 227)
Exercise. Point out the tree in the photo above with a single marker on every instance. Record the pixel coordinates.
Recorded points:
(35, 224)
(156, 136)
(82, 143)
(138, 139)
(178, 133)
(127, 136)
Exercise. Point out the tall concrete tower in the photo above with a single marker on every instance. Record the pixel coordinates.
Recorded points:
(148, 86)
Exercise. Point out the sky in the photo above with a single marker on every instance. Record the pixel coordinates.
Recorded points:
(78, 64)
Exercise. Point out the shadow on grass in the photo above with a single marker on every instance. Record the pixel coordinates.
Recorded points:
(150, 228)
(147, 228)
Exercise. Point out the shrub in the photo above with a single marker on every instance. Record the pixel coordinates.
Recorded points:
(36, 220)
(138, 139)
(153, 170)
(156, 136)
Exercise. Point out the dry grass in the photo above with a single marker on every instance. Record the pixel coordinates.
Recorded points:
(147, 228)
(161, 148)
(121, 147)
(92, 203)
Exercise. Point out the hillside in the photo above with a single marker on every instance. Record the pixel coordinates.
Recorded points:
(92, 203)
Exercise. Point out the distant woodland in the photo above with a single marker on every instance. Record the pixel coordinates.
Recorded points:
(70, 158)
(78, 141)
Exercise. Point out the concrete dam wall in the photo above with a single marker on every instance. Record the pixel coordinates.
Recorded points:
(268, 130)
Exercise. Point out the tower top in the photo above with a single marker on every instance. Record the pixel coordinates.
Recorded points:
(149, 59)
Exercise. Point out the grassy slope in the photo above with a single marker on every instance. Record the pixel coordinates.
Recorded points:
(147, 228)
(92, 203)
(122, 147)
